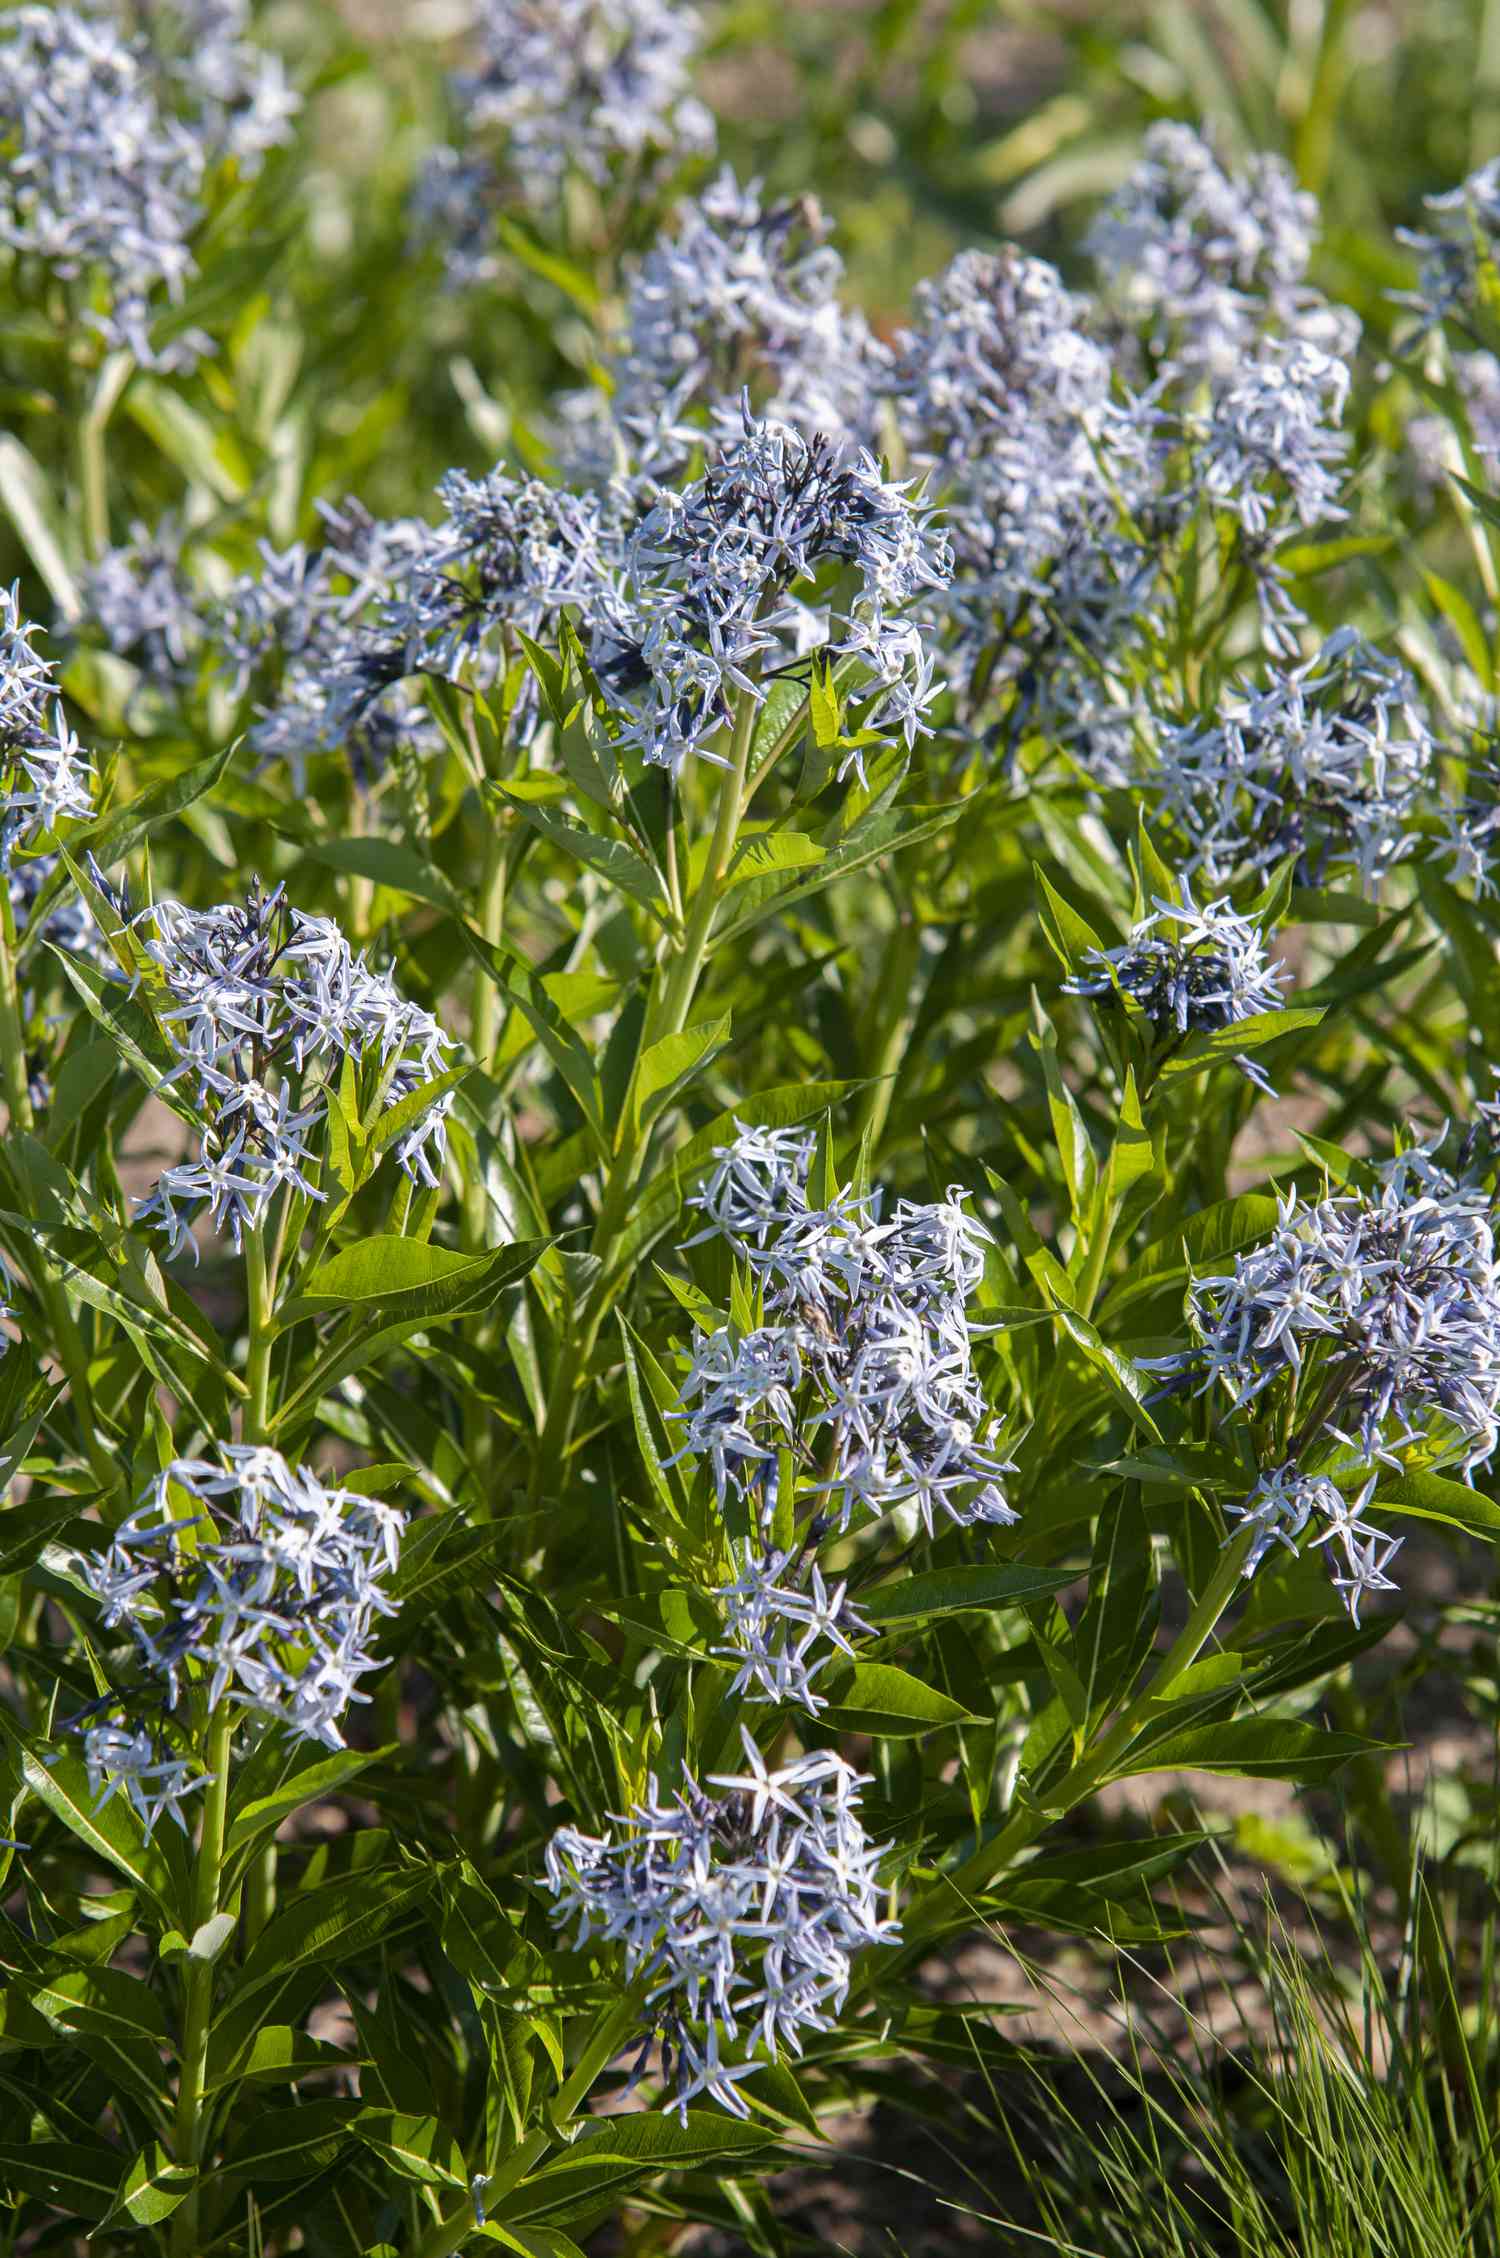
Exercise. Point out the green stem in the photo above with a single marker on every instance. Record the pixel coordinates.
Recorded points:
(255, 1427)
(668, 1018)
(257, 1415)
(682, 980)
(199, 1980)
(93, 470)
(894, 1014)
(486, 1009)
(1094, 1769)
(66, 1338)
(604, 2042)
(1093, 1269)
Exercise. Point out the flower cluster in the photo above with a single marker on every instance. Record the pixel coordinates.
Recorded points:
(1325, 762)
(702, 610)
(509, 554)
(1000, 391)
(272, 1604)
(864, 1366)
(1190, 970)
(736, 293)
(774, 1622)
(744, 1907)
(863, 1370)
(596, 86)
(1468, 828)
(263, 1004)
(43, 774)
(585, 83)
(119, 1758)
(1453, 252)
(1282, 1504)
(1273, 425)
(311, 628)
(1381, 1310)
(235, 92)
(109, 141)
(452, 210)
(1205, 256)
(137, 598)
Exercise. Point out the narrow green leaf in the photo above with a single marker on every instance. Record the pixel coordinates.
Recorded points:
(289, 2144)
(75, 2176)
(27, 501)
(318, 1773)
(1261, 1748)
(151, 2189)
(876, 1697)
(390, 862)
(950, 1591)
(408, 1281)
(415, 2148)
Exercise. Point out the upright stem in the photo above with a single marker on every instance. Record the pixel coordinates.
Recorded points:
(486, 1011)
(198, 1984)
(93, 470)
(260, 1895)
(1093, 1769)
(258, 1329)
(893, 1016)
(682, 980)
(66, 1338)
(603, 2044)
(669, 1017)
(484, 1033)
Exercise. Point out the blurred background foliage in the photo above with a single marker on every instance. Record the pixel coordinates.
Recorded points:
(927, 125)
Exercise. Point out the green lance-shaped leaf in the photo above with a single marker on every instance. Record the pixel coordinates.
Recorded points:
(115, 2019)
(1262, 1748)
(401, 1279)
(394, 863)
(951, 1591)
(389, 1297)
(316, 1931)
(876, 1697)
(153, 2185)
(132, 1029)
(292, 2144)
(1219, 1043)
(81, 2177)
(562, 1043)
(1070, 934)
(624, 2152)
(27, 501)
(58, 1778)
(667, 1066)
(415, 2148)
(620, 865)
(315, 1773)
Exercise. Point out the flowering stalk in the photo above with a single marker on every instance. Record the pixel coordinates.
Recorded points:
(209, 1861)
(893, 1016)
(65, 1335)
(258, 1300)
(666, 1015)
(256, 1427)
(610, 2031)
(1092, 1770)
(198, 1983)
(93, 473)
